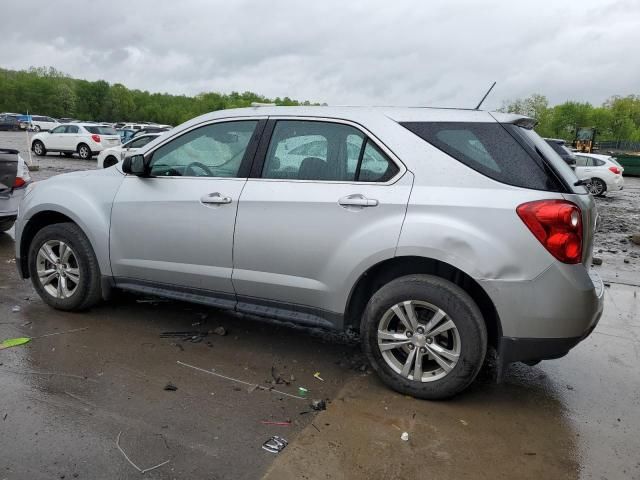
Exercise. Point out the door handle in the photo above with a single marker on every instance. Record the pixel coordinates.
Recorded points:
(357, 200)
(215, 198)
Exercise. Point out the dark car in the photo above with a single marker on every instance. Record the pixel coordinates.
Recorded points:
(9, 122)
(558, 146)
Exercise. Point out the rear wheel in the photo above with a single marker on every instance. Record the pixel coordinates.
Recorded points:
(597, 187)
(424, 336)
(36, 128)
(110, 161)
(6, 224)
(38, 148)
(63, 267)
(84, 151)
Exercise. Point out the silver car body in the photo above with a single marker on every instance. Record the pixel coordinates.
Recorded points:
(10, 195)
(287, 249)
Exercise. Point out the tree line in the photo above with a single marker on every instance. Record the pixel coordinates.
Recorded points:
(47, 91)
(618, 118)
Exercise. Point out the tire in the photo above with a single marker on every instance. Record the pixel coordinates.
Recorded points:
(84, 151)
(427, 296)
(82, 264)
(110, 161)
(36, 128)
(597, 187)
(6, 224)
(68, 154)
(38, 148)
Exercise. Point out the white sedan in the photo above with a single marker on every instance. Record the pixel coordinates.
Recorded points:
(603, 173)
(111, 156)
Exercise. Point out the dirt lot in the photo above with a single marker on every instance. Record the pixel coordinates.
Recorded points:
(65, 398)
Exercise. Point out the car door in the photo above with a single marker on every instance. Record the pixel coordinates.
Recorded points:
(71, 138)
(324, 199)
(174, 229)
(54, 140)
(582, 169)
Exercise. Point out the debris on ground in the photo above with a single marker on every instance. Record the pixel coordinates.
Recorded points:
(220, 331)
(285, 423)
(275, 444)
(276, 378)
(317, 375)
(249, 384)
(404, 437)
(14, 342)
(194, 336)
(318, 405)
(141, 470)
(15, 308)
(596, 261)
(635, 238)
(302, 392)
(170, 387)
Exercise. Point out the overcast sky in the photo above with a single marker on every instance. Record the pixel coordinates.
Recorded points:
(389, 52)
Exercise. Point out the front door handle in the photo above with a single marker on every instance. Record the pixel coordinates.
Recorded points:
(215, 198)
(357, 200)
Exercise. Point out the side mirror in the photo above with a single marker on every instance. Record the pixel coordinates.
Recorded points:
(135, 165)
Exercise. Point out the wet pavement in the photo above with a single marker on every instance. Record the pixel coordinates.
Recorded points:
(65, 398)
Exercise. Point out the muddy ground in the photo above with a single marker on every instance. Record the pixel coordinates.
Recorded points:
(65, 398)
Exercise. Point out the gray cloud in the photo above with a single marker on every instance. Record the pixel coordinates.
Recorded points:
(356, 52)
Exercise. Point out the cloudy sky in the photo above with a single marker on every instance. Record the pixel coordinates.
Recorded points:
(441, 53)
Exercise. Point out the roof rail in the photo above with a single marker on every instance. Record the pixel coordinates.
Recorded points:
(261, 104)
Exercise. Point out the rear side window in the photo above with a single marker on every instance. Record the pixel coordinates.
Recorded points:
(490, 149)
(100, 130)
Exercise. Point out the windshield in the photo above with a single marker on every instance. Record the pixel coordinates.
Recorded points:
(100, 130)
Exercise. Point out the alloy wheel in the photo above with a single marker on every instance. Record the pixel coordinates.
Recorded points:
(58, 269)
(419, 341)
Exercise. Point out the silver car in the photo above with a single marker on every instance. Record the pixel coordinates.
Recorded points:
(438, 234)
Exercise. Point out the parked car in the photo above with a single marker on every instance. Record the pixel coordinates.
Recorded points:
(43, 123)
(602, 172)
(149, 129)
(473, 235)
(9, 123)
(110, 156)
(559, 146)
(14, 178)
(24, 121)
(126, 135)
(86, 139)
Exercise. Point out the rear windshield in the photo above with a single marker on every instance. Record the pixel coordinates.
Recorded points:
(101, 130)
(489, 148)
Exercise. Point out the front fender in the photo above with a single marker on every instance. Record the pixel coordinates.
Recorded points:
(85, 198)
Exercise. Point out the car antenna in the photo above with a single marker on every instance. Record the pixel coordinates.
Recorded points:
(485, 96)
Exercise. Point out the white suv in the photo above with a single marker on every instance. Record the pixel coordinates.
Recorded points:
(40, 123)
(84, 138)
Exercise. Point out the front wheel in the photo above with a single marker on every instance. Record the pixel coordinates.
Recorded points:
(110, 161)
(38, 148)
(84, 151)
(424, 336)
(63, 267)
(36, 128)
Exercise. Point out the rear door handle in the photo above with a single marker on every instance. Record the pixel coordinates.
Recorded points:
(215, 198)
(357, 200)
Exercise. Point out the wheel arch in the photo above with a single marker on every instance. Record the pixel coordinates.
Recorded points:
(387, 270)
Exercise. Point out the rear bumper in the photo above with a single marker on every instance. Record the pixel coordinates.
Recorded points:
(544, 318)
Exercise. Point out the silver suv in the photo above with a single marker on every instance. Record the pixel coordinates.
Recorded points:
(436, 233)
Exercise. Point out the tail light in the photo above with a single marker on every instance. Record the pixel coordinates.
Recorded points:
(557, 224)
(95, 138)
(19, 182)
(615, 170)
